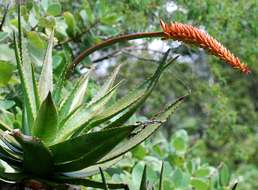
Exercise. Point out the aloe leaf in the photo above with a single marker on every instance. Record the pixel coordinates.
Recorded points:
(143, 185)
(82, 116)
(61, 79)
(46, 77)
(33, 149)
(144, 133)
(103, 179)
(11, 143)
(132, 101)
(89, 183)
(107, 85)
(8, 153)
(25, 74)
(11, 177)
(12, 162)
(35, 87)
(161, 177)
(75, 98)
(76, 147)
(97, 152)
(4, 126)
(46, 122)
(92, 170)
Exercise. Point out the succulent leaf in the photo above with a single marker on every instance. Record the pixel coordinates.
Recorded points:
(131, 102)
(46, 77)
(25, 73)
(97, 152)
(107, 85)
(75, 98)
(11, 177)
(34, 148)
(144, 133)
(88, 183)
(92, 170)
(76, 147)
(46, 122)
(82, 116)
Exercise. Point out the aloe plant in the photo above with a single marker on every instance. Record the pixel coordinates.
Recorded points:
(66, 139)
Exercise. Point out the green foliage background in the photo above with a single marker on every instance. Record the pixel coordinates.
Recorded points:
(221, 114)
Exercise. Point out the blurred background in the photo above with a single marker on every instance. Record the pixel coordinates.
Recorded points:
(217, 124)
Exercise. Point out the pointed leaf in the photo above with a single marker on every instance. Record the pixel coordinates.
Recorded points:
(46, 77)
(131, 102)
(75, 98)
(46, 122)
(97, 152)
(143, 185)
(82, 116)
(144, 133)
(92, 170)
(161, 177)
(25, 73)
(88, 183)
(76, 147)
(33, 149)
(4, 126)
(107, 85)
(12, 177)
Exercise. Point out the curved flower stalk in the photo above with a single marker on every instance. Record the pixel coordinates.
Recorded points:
(176, 31)
(189, 34)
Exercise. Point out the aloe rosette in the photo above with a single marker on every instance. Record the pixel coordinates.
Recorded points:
(66, 139)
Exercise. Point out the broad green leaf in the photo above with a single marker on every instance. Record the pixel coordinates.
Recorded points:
(143, 185)
(46, 122)
(224, 175)
(6, 70)
(6, 104)
(203, 172)
(96, 152)
(3, 36)
(46, 77)
(36, 40)
(76, 97)
(71, 23)
(144, 133)
(33, 149)
(76, 147)
(89, 11)
(199, 184)
(54, 9)
(36, 47)
(139, 152)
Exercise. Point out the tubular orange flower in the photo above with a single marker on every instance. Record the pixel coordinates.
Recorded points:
(189, 34)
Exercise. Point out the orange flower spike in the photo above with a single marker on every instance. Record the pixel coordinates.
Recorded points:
(189, 34)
